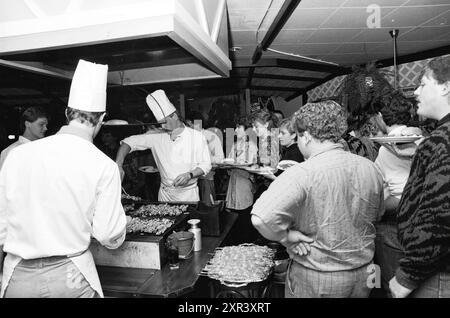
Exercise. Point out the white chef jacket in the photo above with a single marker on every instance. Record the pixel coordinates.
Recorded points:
(188, 151)
(5, 152)
(55, 193)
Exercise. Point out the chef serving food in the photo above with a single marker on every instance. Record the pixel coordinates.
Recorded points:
(57, 192)
(181, 153)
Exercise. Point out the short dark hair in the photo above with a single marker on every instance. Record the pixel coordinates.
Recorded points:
(31, 114)
(396, 110)
(91, 118)
(440, 66)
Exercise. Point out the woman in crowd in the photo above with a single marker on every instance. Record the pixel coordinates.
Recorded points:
(265, 125)
(288, 141)
(240, 185)
(394, 162)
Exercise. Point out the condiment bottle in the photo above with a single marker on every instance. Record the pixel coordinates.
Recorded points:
(197, 234)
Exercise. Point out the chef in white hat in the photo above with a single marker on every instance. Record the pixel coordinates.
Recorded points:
(181, 153)
(55, 194)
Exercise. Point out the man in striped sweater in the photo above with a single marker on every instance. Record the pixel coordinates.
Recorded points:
(424, 210)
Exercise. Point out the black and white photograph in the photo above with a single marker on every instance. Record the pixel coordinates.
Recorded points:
(225, 156)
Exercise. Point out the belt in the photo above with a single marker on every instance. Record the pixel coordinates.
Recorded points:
(53, 258)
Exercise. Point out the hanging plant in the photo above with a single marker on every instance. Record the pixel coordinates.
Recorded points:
(361, 91)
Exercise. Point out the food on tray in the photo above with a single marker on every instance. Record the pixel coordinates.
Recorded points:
(155, 226)
(128, 207)
(261, 170)
(241, 263)
(130, 197)
(159, 210)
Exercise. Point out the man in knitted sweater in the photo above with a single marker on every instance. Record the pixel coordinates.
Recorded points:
(423, 214)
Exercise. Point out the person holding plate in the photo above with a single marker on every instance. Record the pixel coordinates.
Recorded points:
(288, 140)
(239, 197)
(394, 162)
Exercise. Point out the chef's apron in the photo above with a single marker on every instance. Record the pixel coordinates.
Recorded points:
(170, 193)
(84, 261)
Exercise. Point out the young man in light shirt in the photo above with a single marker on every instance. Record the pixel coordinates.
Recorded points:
(33, 124)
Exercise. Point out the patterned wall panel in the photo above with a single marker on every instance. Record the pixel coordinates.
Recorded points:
(408, 80)
(325, 90)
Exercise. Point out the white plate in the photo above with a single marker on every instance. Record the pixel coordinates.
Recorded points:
(148, 169)
(228, 161)
(262, 170)
(396, 139)
(284, 164)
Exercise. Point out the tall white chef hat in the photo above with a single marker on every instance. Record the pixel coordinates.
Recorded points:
(160, 105)
(88, 88)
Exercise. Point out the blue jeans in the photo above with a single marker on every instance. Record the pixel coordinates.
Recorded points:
(302, 282)
(49, 277)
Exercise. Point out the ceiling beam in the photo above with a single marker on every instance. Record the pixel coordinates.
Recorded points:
(315, 67)
(274, 88)
(280, 20)
(250, 77)
(130, 65)
(291, 64)
(415, 56)
(280, 77)
(38, 68)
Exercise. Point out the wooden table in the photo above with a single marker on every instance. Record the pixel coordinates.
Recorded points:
(134, 282)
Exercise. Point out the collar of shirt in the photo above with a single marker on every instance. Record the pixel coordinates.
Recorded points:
(443, 120)
(180, 135)
(22, 139)
(77, 131)
(328, 148)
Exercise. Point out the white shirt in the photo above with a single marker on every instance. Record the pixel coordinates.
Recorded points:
(188, 151)
(5, 152)
(395, 170)
(57, 192)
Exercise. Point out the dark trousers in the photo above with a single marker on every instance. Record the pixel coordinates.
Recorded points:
(243, 230)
